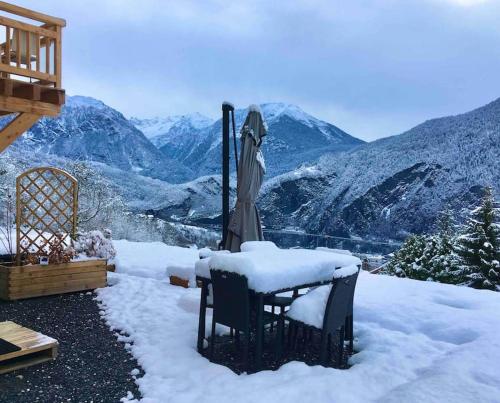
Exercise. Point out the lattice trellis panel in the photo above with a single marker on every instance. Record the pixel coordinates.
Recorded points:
(47, 205)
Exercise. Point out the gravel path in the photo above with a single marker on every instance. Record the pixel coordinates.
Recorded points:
(92, 366)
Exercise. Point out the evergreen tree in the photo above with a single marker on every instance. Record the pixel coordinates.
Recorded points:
(479, 245)
(430, 257)
(407, 260)
(445, 263)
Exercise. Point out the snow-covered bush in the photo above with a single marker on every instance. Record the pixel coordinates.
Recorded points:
(479, 245)
(95, 244)
(471, 258)
(407, 260)
(430, 257)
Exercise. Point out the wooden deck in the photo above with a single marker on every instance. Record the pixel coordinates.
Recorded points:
(35, 347)
(30, 69)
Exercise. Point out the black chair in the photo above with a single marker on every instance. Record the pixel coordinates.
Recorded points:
(281, 302)
(349, 322)
(334, 318)
(232, 308)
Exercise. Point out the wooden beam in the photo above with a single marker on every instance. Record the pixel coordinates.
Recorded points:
(54, 96)
(27, 27)
(6, 87)
(7, 45)
(18, 105)
(34, 15)
(26, 91)
(27, 73)
(32, 91)
(58, 57)
(15, 128)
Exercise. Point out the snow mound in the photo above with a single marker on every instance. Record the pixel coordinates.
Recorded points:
(151, 259)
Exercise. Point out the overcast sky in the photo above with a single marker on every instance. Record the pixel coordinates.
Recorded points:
(373, 68)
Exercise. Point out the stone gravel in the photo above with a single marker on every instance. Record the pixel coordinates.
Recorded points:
(92, 366)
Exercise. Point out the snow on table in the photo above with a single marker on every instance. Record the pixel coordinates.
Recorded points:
(417, 341)
(270, 269)
(151, 259)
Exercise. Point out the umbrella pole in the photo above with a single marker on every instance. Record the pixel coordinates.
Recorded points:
(234, 143)
(226, 108)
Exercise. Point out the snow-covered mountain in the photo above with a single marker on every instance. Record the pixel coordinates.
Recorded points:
(395, 185)
(174, 131)
(89, 130)
(294, 137)
(383, 189)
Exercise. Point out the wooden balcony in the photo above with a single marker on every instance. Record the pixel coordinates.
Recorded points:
(30, 68)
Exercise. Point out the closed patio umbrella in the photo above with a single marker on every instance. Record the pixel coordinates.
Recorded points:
(244, 224)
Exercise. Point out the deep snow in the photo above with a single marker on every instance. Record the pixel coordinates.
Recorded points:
(151, 259)
(417, 341)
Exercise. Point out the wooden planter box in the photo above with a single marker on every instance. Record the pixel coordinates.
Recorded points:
(19, 282)
(174, 280)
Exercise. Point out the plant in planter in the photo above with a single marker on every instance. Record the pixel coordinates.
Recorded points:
(95, 244)
(53, 251)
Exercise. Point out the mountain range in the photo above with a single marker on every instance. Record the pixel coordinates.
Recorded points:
(393, 186)
(89, 130)
(319, 178)
(295, 137)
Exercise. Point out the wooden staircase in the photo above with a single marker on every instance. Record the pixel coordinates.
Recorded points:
(30, 69)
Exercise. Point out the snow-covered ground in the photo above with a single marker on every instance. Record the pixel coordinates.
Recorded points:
(151, 259)
(417, 341)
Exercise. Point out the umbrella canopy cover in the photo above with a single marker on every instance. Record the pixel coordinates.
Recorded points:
(244, 224)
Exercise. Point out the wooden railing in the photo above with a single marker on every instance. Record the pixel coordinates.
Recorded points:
(31, 51)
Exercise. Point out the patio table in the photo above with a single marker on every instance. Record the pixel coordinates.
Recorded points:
(270, 272)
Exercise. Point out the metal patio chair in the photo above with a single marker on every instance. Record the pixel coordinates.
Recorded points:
(232, 307)
(334, 314)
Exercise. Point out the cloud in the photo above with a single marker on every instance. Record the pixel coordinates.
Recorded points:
(373, 67)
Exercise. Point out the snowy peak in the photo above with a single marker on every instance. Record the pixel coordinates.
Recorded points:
(80, 101)
(89, 130)
(161, 129)
(275, 110)
(294, 137)
(278, 113)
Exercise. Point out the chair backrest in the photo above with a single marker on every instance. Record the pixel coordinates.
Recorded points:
(338, 303)
(351, 302)
(231, 305)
